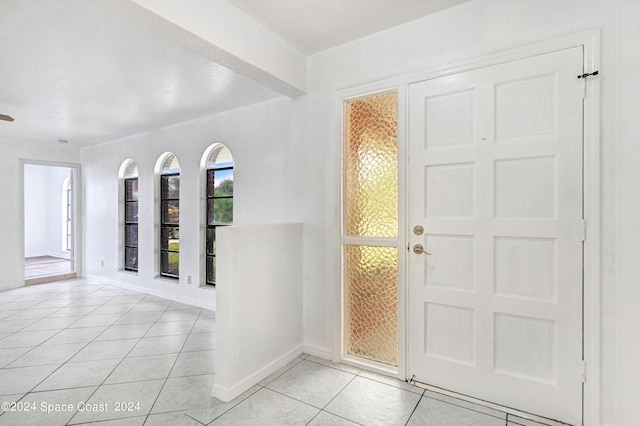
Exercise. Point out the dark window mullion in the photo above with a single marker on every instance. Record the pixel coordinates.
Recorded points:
(210, 254)
(211, 198)
(165, 201)
(130, 250)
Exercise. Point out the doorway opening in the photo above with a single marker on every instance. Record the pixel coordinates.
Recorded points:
(49, 223)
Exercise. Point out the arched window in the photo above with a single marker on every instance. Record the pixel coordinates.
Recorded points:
(219, 194)
(170, 216)
(130, 220)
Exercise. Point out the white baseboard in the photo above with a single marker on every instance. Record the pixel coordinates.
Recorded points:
(187, 299)
(11, 286)
(39, 254)
(227, 394)
(319, 351)
(59, 255)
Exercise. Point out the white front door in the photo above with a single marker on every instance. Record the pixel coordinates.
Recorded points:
(496, 181)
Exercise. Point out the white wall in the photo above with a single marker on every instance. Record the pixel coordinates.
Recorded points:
(621, 287)
(11, 255)
(259, 139)
(259, 310)
(43, 210)
(36, 203)
(457, 35)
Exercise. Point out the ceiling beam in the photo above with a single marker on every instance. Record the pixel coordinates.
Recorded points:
(219, 31)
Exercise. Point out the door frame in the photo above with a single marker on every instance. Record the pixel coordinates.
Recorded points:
(76, 193)
(590, 41)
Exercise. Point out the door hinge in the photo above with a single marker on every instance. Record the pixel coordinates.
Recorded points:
(583, 230)
(583, 371)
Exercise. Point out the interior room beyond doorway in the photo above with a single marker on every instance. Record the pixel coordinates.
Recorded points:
(48, 223)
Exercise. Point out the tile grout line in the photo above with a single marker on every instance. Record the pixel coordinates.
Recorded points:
(47, 339)
(335, 368)
(468, 408)
(120, 315)
(233, 406)
(94, 340)
(64, 363)
(261, 387)
(336, 395)
(339, 392)
(414, 409)
(87, 344)
(174, 362)
(123, 358)
(281, 374)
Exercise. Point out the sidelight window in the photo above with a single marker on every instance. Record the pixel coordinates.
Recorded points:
(370, 227)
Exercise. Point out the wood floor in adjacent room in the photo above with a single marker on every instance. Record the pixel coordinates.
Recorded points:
(40, 266)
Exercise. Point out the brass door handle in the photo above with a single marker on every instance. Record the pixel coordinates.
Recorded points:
(418, 249)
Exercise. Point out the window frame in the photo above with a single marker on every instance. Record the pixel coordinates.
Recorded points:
(164, 178)
(210, 258)
(366, 240)
(130, 224)
(68, 223)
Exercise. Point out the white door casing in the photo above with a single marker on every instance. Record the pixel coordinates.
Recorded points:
(495, 172)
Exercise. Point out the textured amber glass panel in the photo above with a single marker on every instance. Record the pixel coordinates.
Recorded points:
(372, 303)
(372, 167)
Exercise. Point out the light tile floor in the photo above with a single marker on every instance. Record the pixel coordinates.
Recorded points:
(81, 352)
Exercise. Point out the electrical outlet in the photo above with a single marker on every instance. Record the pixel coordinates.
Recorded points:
(102, 263)
(188, 279)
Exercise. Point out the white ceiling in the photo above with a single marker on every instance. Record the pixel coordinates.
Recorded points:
(315, 25)
(70, 70)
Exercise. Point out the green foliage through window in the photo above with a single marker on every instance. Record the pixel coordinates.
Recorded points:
(219, 206)
(170, 225)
